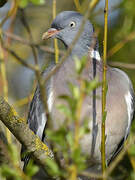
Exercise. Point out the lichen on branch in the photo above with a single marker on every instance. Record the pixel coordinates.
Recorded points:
(21, 131)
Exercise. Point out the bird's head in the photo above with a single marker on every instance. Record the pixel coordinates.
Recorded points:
(65, 27)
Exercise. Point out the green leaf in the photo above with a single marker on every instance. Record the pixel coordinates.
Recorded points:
(77, 64)
(23, 3)
(58, 136)
(83, 130)
(79, 159)
(104, 116)
(80, 64)
(70, 139)
(71, 102)
(91, 85)
(75, 91)
(13, 152)
(132, 150)
(8, 172)
(31, 169)
(53, 168)
(64, 109)
(38, 2)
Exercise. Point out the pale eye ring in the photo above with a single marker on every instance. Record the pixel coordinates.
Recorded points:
(72, 24)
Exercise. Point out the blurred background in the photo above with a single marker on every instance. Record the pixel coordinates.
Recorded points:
(18, 83)
(39, 17)
(121, 37)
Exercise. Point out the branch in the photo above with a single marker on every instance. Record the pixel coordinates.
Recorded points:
(77, 5)
(104, 89)
(41, 83)
(56, 48)
(10, 13)
(21, 131)
(122, 65)
(3, 148)
(121, 44)
(20, 60)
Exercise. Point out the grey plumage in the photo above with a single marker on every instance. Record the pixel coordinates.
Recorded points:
(120, 95)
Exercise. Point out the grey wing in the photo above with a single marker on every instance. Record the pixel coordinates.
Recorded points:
(36, 117)
(36, 121)
(131, 107)
(130, 99)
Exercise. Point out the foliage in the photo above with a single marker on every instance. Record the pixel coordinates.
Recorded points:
(13, 170)
(24, 3)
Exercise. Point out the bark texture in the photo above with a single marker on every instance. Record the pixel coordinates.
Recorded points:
(25, 136)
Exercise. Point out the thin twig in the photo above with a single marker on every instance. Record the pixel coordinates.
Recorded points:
(20, 60)
(78, 5)
(37, 71)
(120, 44)
(122, 65)
(29, 43)
(56, 48)
(24, 21)
(23, 101)
(10, 13)
(104, 89)
(51, 50)
(73, 168)
(91, 175)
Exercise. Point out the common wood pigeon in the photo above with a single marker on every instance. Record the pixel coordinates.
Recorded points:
(119, 99)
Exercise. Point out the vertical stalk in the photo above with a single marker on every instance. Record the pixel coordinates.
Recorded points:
(104, 88)
(78, 5)
(74, 169)
(78, 113)
(56, 49)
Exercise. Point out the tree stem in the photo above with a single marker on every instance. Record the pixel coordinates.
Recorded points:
(104, 88)
(56, 48)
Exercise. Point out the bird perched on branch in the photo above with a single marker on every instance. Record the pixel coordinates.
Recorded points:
(119, 98)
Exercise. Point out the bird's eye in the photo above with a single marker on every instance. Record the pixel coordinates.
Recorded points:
(72, 24)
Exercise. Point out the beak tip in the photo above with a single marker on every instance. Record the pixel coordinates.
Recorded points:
(45, 36)
(50, 33)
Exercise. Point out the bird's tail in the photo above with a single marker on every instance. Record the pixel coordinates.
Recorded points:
(25, 157)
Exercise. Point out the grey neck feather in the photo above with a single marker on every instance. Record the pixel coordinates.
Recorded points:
(85, 49)
(81, 48)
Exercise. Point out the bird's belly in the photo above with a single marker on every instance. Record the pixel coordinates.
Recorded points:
(91, 142)
(86, 144)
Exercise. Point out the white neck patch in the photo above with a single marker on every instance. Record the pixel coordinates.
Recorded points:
(94, 54)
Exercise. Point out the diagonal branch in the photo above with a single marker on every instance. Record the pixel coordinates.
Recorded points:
(21, 131)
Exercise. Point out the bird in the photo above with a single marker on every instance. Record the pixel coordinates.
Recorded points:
(119, 98)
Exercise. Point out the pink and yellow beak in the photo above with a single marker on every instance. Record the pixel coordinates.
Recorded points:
(50, 33)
